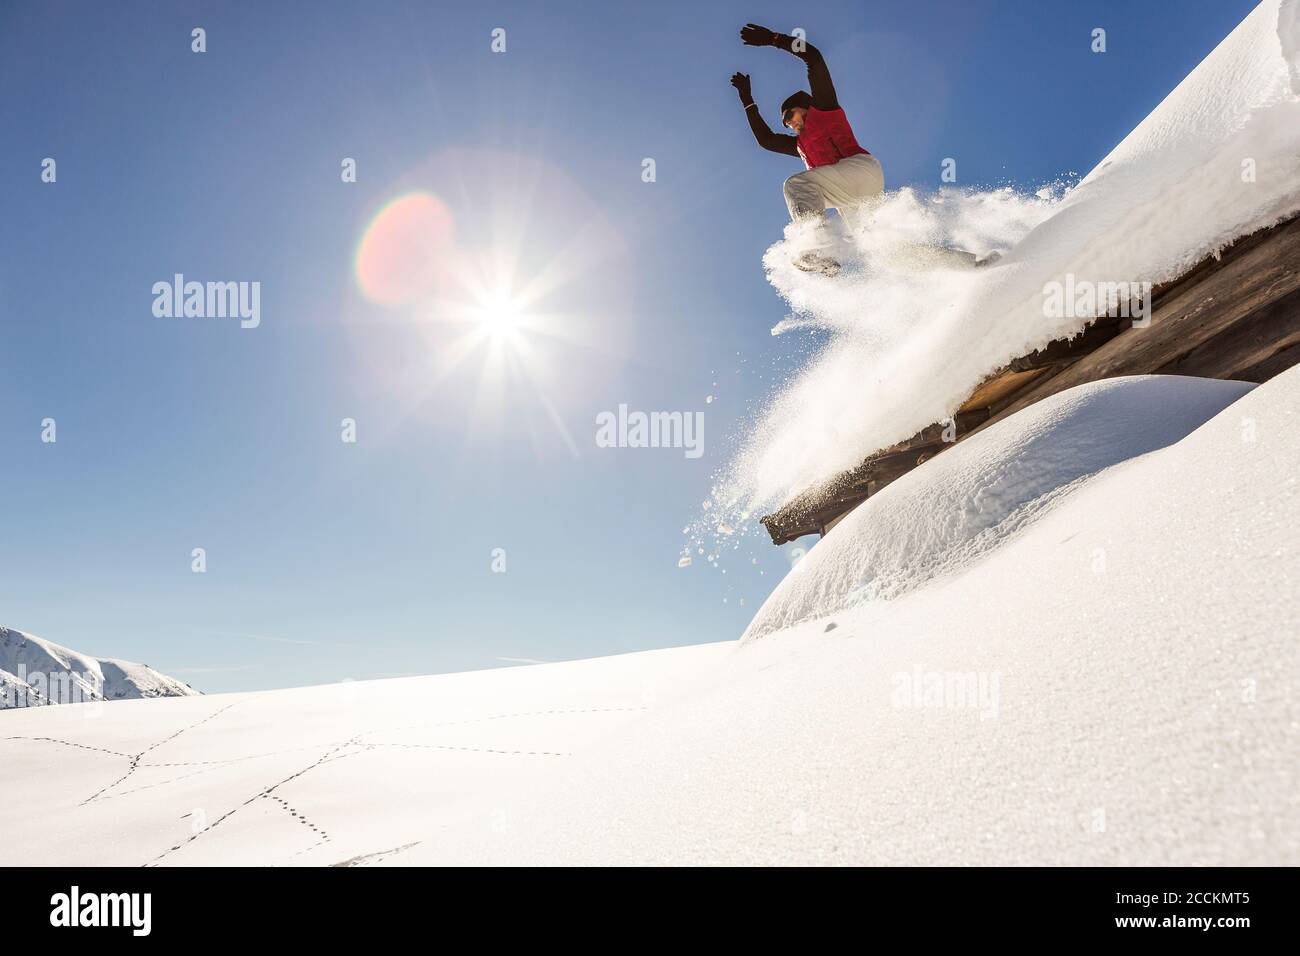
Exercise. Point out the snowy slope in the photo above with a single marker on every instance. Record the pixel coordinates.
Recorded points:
(35, 672)
(1133, 700)
(910, 340)
(1136, 665)
(340, 774)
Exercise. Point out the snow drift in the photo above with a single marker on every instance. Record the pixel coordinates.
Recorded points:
(940, 518)
(36, 672)
(1130, 658)
(910, 337)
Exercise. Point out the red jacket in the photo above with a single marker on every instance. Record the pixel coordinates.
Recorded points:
(826, 138)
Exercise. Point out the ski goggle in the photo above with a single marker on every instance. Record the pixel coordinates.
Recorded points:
(787, 116)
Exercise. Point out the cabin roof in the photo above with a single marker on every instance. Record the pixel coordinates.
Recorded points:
(1234, 316)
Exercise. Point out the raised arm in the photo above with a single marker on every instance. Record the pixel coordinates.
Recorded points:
(763, 134)
(819, 76)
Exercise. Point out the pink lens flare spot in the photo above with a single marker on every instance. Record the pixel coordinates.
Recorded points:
(406, 251)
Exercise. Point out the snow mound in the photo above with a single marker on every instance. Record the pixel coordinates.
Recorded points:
(911, 336)
(966, 502)
(36, 672)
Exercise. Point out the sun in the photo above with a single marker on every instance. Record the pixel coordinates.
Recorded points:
(499, 314)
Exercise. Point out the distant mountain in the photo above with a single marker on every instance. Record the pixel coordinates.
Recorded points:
(35, 672)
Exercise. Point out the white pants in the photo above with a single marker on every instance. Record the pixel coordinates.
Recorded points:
(844, 186)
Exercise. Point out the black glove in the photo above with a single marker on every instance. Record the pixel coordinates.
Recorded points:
(741, 82)
(751, 34)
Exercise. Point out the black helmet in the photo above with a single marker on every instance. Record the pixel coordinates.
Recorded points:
(800, 100)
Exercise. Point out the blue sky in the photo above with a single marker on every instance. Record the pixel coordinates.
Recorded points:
(329, 560)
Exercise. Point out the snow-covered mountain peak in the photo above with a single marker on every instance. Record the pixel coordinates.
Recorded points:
(35, 672)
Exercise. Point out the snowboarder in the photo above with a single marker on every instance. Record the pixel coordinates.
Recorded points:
(840, 174)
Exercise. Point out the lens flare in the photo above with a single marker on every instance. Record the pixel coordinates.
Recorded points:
(503, 286)
(406, 251)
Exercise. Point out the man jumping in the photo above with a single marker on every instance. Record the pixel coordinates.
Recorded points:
(841, 174)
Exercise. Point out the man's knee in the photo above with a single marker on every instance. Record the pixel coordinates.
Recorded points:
(803, 195)
(793, 186)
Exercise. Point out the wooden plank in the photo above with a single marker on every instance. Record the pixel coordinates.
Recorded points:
(1273, 365)
(998, 386)
(1244, 351)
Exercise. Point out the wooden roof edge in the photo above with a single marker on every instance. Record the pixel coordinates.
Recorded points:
(811, 510)
(807, 512)
(1255, 291)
